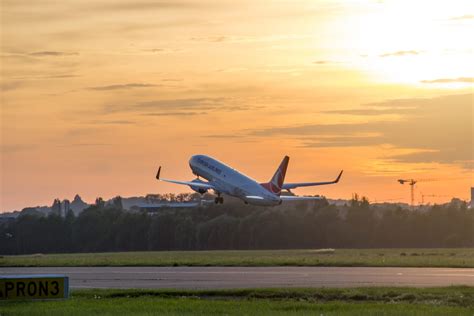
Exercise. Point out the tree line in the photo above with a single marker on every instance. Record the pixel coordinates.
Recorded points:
(358, 224)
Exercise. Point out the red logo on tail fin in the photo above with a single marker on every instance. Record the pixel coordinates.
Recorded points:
(278, 178)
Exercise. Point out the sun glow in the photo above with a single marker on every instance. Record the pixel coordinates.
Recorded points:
(414, 42)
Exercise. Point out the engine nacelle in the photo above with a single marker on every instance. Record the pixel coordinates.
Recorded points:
(198, 189)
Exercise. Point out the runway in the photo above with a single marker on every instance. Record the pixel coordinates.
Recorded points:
(251, 277)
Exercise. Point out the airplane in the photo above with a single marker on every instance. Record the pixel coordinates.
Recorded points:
(223, 179)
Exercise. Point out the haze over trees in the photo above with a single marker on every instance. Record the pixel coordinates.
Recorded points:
(102, 228)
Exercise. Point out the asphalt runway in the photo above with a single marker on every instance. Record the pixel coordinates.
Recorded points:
(251, 277)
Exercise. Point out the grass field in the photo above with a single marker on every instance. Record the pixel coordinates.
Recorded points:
(366, 301)
(324, 257)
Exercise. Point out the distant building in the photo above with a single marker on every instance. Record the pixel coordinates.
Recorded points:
(99, 202)
(66, 207)
(472, 197)
(156, 207)
(56, 207)
(78, 205)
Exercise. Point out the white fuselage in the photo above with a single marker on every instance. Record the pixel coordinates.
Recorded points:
(231, 182)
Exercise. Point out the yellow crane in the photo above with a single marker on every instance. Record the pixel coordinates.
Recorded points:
(411, 183)
(430, 195)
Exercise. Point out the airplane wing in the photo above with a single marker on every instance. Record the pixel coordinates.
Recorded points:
(299, 198)
(202, 185)
(288, 186)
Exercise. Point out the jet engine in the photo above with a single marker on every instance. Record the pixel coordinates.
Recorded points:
(198, 189)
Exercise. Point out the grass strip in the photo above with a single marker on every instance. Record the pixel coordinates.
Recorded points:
(456, 258)
(450, 296)
(354, 301)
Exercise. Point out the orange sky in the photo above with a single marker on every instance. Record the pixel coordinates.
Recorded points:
(96, 94)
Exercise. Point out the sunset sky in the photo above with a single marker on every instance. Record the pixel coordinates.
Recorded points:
(96, 94)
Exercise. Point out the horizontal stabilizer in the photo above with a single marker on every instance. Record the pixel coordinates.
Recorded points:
(288, 186)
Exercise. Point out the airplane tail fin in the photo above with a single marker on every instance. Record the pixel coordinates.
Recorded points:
(278, 178)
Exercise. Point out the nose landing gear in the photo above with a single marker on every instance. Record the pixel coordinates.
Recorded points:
(219, 199)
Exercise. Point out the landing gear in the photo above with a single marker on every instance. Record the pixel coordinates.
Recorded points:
(219, 199)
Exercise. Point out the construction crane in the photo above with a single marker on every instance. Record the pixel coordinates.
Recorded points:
(430, 195)
(411, 183)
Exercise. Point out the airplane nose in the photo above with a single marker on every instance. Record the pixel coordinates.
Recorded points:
(192, 162)
(193, 159)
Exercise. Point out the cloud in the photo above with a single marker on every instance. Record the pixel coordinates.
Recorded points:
(123, 86)
(78, 11)
(179, 107)
(155, 50)
(14, 148)
(212, 39)
(60, 76)
(450, 80)
(180, 104)
(112, 122)
(175, 107)
(371, 112)
(171, 79)
(400, 53)
(175, 114)
(462, 17)
(251, 39)
(35, 57)
(439, 129)
(342, 141)
(10, 86)
(313, 130)
(235, 137)
(325, 62)
(42, 77)
(432, 156)
(162, 50)
(84, 145)
(159, 50)
(145, 5)
(224, 136)
(52, 53)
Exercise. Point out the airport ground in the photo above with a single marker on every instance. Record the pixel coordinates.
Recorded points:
(393, 286)
(432, 257)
